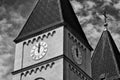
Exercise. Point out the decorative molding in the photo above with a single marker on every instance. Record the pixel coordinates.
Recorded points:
(37, 65)
(78, 71)
(75, 40)
(41, 37)
(35, 70)
(81, 76)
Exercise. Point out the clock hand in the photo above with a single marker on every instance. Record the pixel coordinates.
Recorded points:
(77, 52)
(39, 47)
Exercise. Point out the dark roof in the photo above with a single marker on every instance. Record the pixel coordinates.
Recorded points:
(48, 14)
(106, 57)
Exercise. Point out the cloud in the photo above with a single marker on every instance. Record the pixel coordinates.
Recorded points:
(93, 33)
(85, 19)
(113, 24)
(12, 19)
(116, 38)
(10, 25)
(6, 57)
(6, 45)
(13, 16)
(1, 38)
(2, 10)
(107, 2)
(76, 5)
(4, 25)
(117, 5)
(89, 4)
(17, 18)
(5, 66)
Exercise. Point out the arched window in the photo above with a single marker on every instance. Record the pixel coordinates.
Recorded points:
(103, 76)
(39, 78)
(102, 79)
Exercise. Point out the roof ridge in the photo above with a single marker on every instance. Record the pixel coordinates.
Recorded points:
(96, 46)
(27, 20)
(115, 52)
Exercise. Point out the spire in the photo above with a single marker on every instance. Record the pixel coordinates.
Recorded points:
(106, 58)
(105, 19)
(50, 14)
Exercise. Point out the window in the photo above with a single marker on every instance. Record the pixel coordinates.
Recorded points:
(39, 78)
(103, 76)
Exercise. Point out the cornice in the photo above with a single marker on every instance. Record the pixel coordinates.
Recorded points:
(75, 40)
(49, 64)
(37, 65)
(73, 67)
(40, 37)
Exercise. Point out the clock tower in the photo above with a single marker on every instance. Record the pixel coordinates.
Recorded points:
(52, 45)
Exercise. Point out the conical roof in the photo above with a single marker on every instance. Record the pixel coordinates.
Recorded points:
(49, 14)
(106, 58)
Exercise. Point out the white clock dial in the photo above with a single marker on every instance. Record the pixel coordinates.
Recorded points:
(39, 50)
(77, 56)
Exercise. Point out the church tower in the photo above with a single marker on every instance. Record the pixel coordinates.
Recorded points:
(52, 45)
(106, 59)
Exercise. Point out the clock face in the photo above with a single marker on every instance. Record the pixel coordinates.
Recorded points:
(77, 56)
(39, 50)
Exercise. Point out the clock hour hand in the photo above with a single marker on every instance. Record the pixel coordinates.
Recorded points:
(39, 47)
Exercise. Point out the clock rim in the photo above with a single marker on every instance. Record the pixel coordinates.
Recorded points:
(73, 55)
(33, 52)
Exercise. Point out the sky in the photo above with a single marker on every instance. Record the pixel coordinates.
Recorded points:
(14, 13)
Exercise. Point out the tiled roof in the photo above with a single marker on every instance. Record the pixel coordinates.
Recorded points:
(48, 14)
(106, 58)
